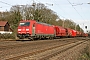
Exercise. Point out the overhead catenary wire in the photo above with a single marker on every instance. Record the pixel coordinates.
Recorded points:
(61, 9)
(75, 9)
(5, 3)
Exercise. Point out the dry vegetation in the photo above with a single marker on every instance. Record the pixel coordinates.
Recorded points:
(86, 53)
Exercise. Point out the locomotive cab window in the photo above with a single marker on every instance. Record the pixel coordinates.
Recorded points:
(24, 24)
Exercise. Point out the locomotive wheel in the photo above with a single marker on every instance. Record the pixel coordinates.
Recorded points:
(50, 38)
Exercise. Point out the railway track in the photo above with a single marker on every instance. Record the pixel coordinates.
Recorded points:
(9, 43)
(38, 50)
(53, 51)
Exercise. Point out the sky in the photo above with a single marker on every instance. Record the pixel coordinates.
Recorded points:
(75, 10)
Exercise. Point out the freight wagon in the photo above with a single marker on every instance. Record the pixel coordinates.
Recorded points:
(60, 31)
(71, 32)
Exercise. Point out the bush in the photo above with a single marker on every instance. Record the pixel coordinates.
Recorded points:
(7, 36)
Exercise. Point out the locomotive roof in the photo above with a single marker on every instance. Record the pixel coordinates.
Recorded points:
(37, 22)
(44, 23)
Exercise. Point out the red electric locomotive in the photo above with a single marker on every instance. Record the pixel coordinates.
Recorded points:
(32, 29)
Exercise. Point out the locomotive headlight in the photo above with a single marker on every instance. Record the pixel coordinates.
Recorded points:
(19, 29)
(18, 32)
(27, 29)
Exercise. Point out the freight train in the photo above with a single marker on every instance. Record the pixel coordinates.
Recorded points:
(32, 29)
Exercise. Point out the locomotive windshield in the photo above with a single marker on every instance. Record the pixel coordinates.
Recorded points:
(24, 24)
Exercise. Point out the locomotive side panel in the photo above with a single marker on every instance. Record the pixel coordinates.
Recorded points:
(44, 30)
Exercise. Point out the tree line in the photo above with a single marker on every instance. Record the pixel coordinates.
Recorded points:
(38, 12)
